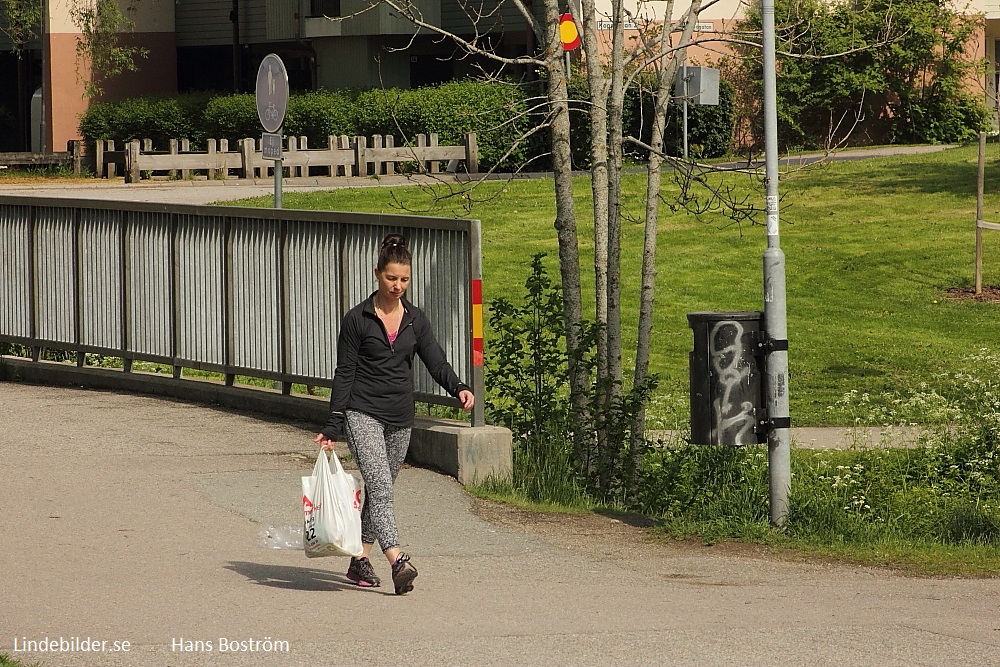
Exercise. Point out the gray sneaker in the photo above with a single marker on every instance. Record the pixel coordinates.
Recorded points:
(403, 574)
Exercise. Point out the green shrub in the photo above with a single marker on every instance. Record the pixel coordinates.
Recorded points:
(494, 111)
(232, 117)
(557, 457)
(156, 118)
(321, 114)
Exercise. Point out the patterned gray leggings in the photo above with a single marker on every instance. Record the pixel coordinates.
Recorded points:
(379, 450)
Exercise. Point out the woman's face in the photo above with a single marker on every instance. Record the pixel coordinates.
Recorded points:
(393, 280)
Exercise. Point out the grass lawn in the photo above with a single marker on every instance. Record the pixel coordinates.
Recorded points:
(871, 246)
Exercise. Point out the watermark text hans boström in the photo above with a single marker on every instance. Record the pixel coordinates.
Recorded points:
(228, 645)
(70, 645)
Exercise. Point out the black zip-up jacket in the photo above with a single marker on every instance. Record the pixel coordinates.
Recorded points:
(374, 376)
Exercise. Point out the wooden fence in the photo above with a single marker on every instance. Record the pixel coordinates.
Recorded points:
(71, 159)
(343, 156)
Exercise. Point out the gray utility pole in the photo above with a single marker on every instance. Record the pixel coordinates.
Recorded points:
(775, 321)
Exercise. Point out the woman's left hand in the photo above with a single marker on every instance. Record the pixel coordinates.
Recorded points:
(468, 400)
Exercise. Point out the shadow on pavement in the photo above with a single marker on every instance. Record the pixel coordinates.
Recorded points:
(293, 578)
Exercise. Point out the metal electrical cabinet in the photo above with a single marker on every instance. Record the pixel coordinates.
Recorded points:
(727, 369)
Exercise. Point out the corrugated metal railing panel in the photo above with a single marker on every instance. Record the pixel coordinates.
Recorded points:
(313, 288)
(358, 255)
(148, 284)
(200, 294)
(15, 261)
(255, 318)
(100, 274)
(222, 289)
(440, 287)
(55, 276)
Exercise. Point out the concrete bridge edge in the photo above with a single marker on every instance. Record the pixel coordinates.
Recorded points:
(469, 454)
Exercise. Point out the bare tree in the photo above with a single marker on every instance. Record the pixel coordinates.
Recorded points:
(610, 72)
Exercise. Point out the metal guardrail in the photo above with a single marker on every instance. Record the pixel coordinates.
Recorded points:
(256, 292)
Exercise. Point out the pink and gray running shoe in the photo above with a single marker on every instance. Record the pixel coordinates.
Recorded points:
(362, 573)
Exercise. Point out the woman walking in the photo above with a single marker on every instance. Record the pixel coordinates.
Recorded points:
(372, 402)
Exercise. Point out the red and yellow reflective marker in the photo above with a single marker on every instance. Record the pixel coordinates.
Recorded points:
(568, 32)
(477, 322)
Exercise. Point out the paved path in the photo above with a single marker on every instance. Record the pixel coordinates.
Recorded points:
(128, 518)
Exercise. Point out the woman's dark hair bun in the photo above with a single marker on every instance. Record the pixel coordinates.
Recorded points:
(393, 250)
(393, 240)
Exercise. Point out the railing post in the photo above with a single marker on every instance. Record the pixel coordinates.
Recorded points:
(173, 151)
(99, 158)
(185, 148)
(175, 305)
(227, 300)
(471, 153)
(111, 167)
(360, 156)
(391, 167)
(223, 150)
(343, 143)
(293, 149)
(76, 148)
(81, 358)
(123, 287)
(132, 174)
(476, 315)
(432, 142)
(421, 163)
(283, 316)
(246, 157)
(377, 145)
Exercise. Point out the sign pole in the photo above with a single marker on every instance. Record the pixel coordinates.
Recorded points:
(272, 102)
(279, 172)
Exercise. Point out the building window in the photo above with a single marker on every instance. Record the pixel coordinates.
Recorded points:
(324, 8)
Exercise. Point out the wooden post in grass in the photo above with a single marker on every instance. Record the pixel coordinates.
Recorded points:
(980, 187)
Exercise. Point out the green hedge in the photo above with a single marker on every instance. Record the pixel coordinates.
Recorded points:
(491, 110)
(494, 111)
(159, 119)
(231, 117)
(319, 115)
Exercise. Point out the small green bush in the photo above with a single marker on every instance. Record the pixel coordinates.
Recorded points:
(494, 111)
(321, 114)
(232, 117)
(156, 118)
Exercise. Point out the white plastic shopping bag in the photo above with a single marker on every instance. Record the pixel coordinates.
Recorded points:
(332, 504)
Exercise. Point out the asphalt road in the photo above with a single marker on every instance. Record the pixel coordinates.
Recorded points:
(133, 519)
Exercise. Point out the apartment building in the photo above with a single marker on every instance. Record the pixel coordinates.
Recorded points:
(218, 44)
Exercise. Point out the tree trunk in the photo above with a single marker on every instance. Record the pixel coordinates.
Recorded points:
(616, 101)
(646, 293)
(598, 84)
(566, 232)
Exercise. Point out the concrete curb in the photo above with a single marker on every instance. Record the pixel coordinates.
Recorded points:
(464, 452)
